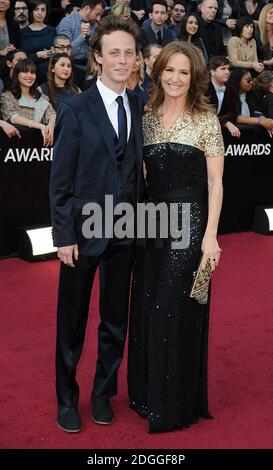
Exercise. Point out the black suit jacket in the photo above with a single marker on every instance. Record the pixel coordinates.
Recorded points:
(212, 95)
(84, 167)
(148, 36)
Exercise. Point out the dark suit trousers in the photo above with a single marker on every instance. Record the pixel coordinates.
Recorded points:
(75, 286)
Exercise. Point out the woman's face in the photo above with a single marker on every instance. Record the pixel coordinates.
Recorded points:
(27, 79)
(39, 13)
(269, 16)
(246, 83)
(176, 78)
(247, 31)
(137, 65)
(63, 69)
(4, 5)
(192, 25)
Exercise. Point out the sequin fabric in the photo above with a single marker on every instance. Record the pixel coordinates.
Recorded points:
(202, 132)
(168, 333)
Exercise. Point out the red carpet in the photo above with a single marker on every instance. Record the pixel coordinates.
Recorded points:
(240, 360)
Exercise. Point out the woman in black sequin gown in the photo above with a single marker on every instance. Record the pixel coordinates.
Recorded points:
(183, 155)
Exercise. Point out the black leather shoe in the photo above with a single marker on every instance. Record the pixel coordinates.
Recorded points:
(68, 419)
(102, 411)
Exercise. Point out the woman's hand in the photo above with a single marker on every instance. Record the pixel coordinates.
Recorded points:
(267, 123)
(210, 250)
(50, 133)
(234, 131)
(44, 134)
(231, 23)
(258, 66)
(10, 130)
(45, 54)
(8, 48)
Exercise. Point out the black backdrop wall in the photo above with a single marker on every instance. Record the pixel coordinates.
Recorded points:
(25, 170)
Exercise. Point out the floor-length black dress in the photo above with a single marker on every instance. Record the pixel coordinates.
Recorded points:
(168, 334)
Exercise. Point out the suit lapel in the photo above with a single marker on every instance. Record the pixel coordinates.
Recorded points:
(101, 119)
(136, 125)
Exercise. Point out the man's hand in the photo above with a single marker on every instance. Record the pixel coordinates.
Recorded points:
(66, 254)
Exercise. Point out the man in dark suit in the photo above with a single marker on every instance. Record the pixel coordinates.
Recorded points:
(156, 31)
(210, 30)
(219, 68)
(98, 153)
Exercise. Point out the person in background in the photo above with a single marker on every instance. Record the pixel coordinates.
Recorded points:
(79, 28)
(122, 8)
(9, 29)
(59, 83)
(21, 13)
(178, 12)
(219, 69)
(136, 79)
(263, 86)
(37, 37)
(93, 71)
(190, 32)
(264, 36)
(242, 48)
(139, 9)
(62, 43)
(252, 9)
(11, 59)
(210, 30)
(156, 32)
(70, 9)
(25, 105)
(227, 14)
(150, 54)
(239, 102)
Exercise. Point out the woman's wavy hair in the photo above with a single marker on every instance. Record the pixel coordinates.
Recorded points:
(120, 10)
(263, 82)
(24, 65)
(262, 23)
(197, 102)
(53, 89)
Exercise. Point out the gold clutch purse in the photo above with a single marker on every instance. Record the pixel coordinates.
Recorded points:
(200, 287)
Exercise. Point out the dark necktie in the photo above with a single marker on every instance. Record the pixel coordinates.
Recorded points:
(122, 124)
(159, 38)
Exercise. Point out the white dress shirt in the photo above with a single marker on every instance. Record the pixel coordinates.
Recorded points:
(111, 105)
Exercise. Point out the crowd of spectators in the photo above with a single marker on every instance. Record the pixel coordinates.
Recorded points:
(45, 55)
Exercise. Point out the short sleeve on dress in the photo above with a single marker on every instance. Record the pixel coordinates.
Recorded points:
(212, 138)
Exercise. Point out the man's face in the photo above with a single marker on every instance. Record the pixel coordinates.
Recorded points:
(178, 12)
(158, 15)
(221, 74)
(170, 5)
(208, 10)
(117, 58)
(20, 55)
(62, 45)
(95, 14)
(20, 12)
(155, 51)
